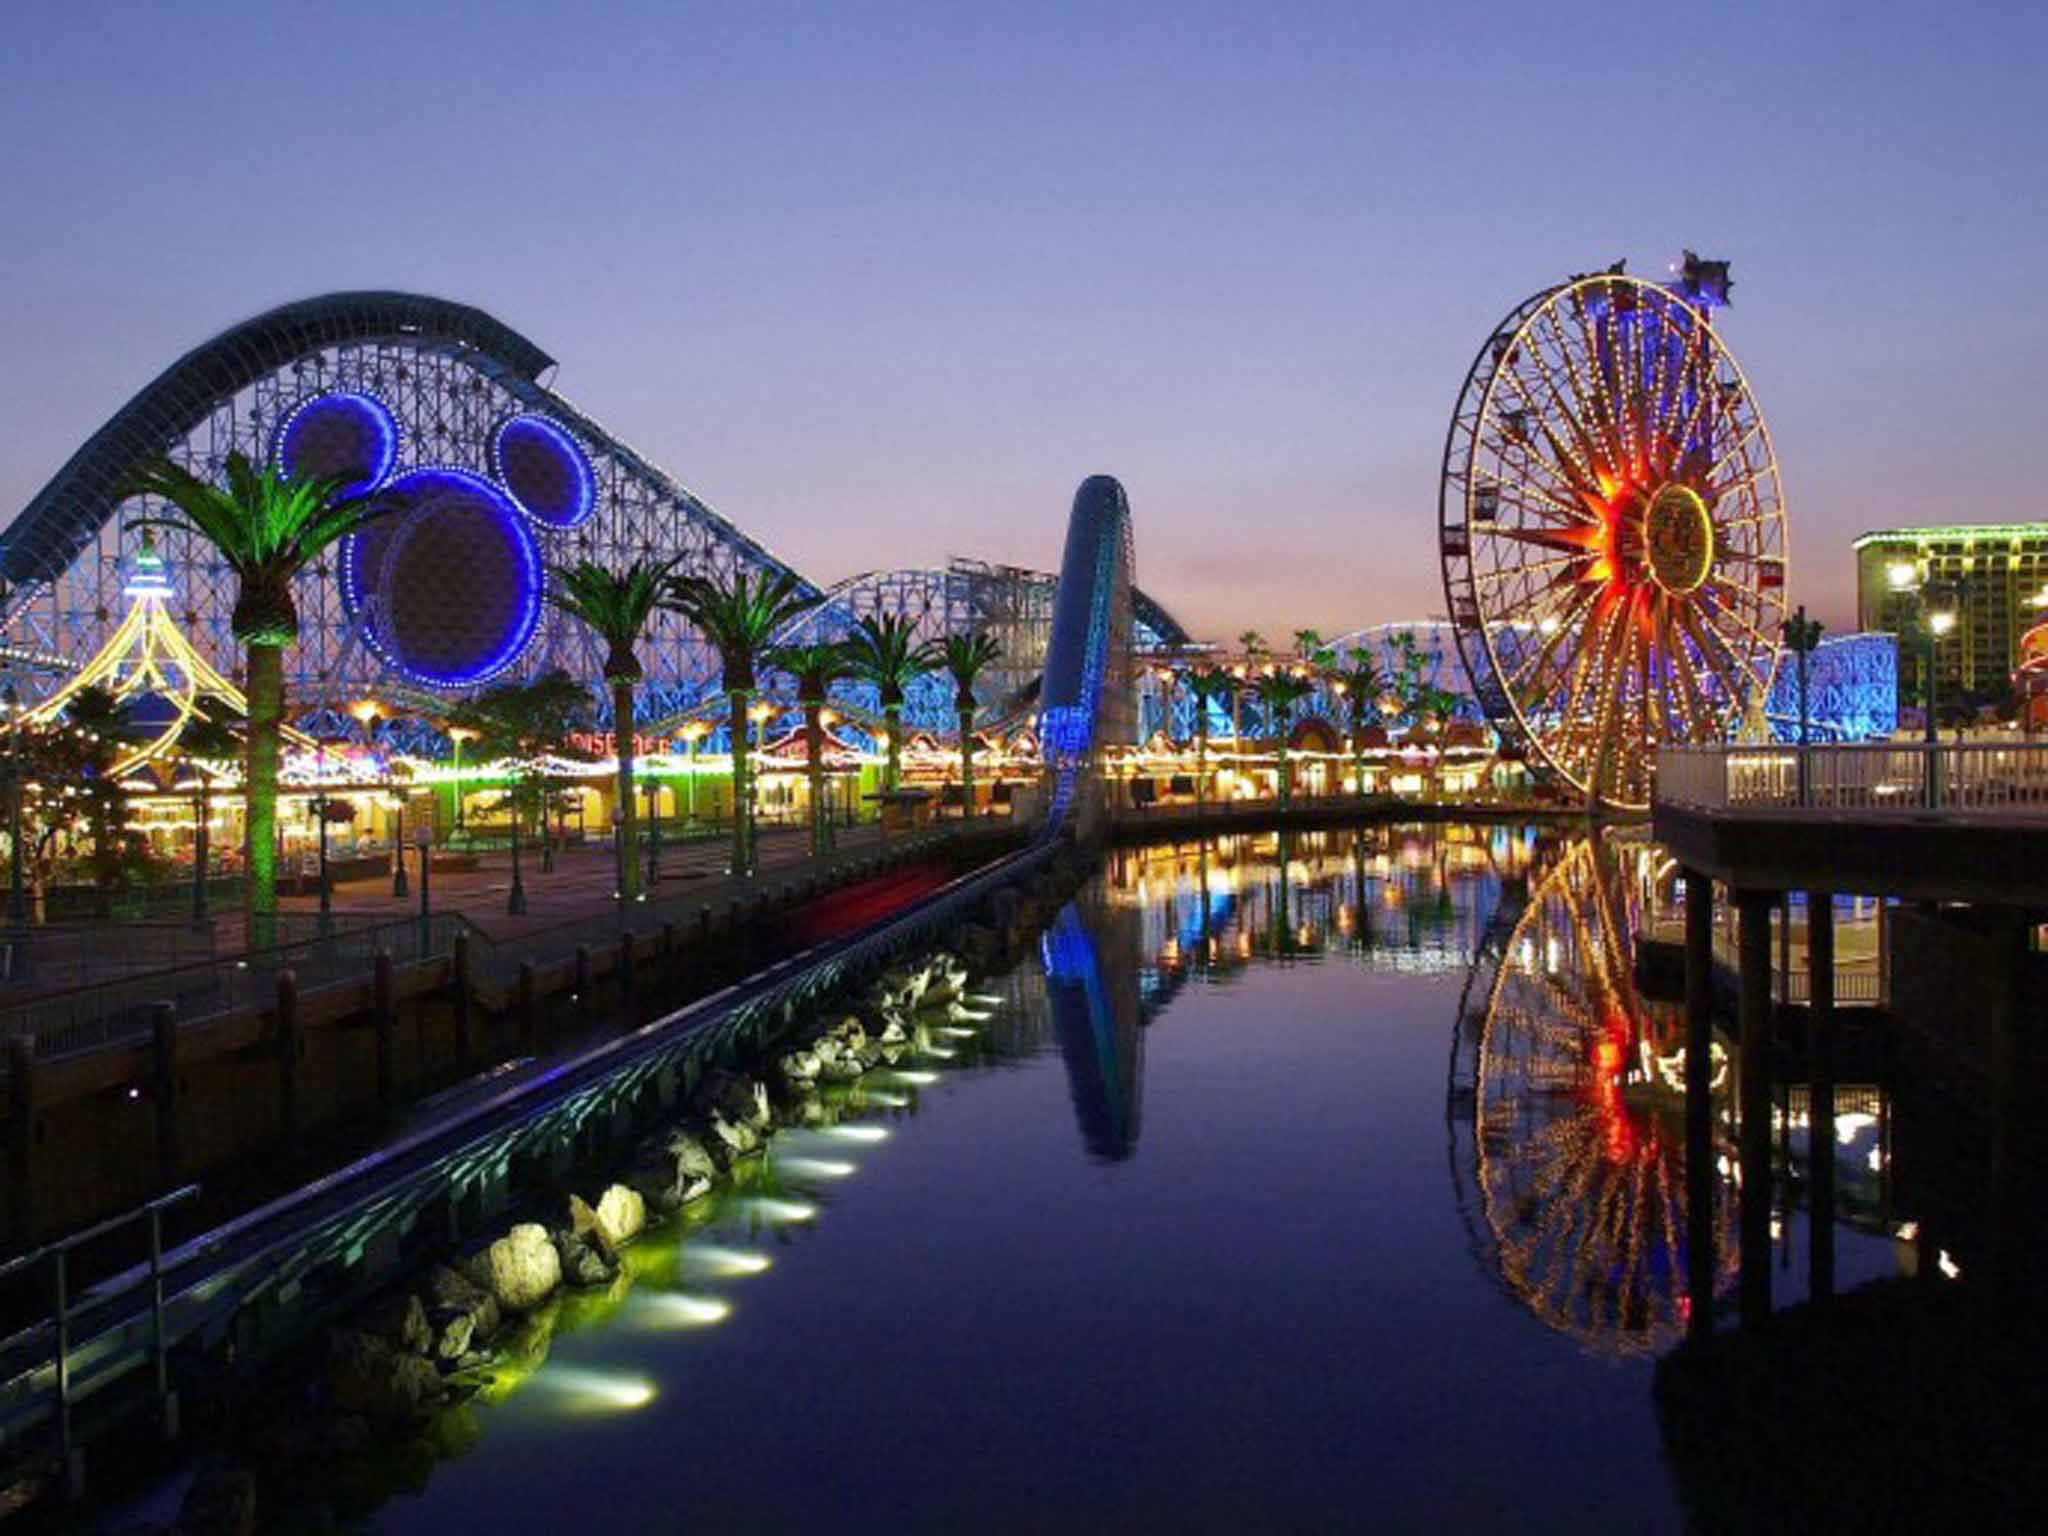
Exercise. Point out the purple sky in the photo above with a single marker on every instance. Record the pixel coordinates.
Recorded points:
(884, 283)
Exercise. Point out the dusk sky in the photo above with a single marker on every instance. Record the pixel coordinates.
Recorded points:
(884, 283)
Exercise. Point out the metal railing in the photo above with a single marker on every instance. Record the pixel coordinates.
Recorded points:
(67, 1311)
(1961, 778)
(123, 1010)
(115, 1012)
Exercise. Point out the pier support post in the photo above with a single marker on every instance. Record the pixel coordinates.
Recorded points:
(384, 1019)
(21, 1139)
(1702, 1245)
(1753, 917)
(465, 999)
(163, 1029)
(1820, 1105)
(290, 1048)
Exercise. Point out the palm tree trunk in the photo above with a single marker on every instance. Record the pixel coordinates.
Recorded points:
(966, 764)
(1286, 775)
(814, 770)
(742, 810)
(259, 789)
(1202, 756)
(629, 825)
(892, 716)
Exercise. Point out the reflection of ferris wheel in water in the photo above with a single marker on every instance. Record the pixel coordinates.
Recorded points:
(1612, 530)
(1567, 1118)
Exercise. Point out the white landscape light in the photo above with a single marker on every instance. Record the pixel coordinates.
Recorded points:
(675, 1309)
(715, 1260)
(858, 1132)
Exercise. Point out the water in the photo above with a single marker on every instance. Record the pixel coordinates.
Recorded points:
(1265, 1212)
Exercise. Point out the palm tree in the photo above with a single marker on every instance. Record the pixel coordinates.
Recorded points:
(209, 737)
(1360, 681)
(1207, 683)
(1280, 692)
(886, 653)
(1255, 649)
(738, 617)
(616, 606)
(965, 657)
(266, 526)
(1309, 646)
(815, 668)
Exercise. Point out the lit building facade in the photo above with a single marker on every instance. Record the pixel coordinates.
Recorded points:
(1998, 575)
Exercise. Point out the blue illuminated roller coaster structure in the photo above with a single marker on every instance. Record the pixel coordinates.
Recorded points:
(496, 475)
(1088, 699)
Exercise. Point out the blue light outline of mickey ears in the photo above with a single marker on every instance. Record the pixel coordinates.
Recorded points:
(524, 546)
(563, 442)
(374, 407)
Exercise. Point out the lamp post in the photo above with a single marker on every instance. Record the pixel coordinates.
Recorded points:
(694, 733)
(757, 721)
(653, 786)
(515, 900)
(426, 846)
(368, 712)
(1933, 618)
(1802, 635)
(18, 935)
(320, 811)
(619, 856)
(458, 734)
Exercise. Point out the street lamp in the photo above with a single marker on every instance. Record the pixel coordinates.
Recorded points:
(694, 733)
(458, 734)
(619, 857)
(367, 713)
(515, 900)
(653, 787)
(18, 936)
(320, 811)
(1802, 635)
(426, 846)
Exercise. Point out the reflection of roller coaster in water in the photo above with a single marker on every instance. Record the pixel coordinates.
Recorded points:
(1567, 1115)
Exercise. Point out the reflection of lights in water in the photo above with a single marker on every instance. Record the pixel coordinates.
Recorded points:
(817, 1167)
(1948, 1265)
(954, 1032)
(1876, 1160)
(599, 1389)
(886, 1100)
(770, 1209)
(724, 1261)
(857, 1132)
(1777, 1230)
(986, 999)
(674, 1309)
(1906, 1231)
(975, 1014)
(943, 1052)
(916, 1079)
(1849, 1127)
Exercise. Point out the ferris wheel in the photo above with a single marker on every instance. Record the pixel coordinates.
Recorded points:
(1567, 1108)
(1612, 529)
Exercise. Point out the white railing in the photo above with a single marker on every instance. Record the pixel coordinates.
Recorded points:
(1960, 778)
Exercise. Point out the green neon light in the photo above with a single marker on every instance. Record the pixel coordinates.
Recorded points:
(1979, 532)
